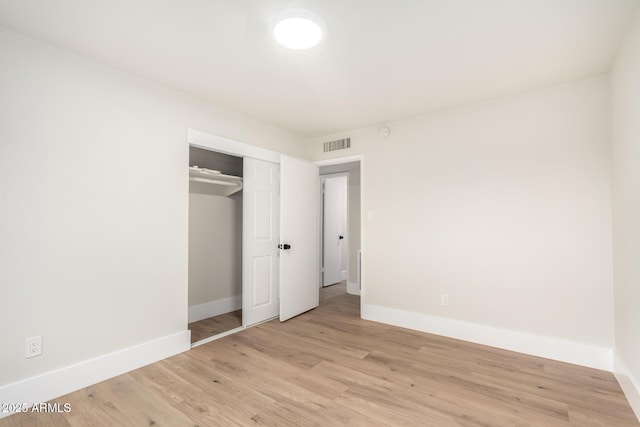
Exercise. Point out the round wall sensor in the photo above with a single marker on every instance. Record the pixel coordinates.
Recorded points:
(383, 131)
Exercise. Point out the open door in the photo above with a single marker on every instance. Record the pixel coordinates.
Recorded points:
(260, 241)
(298, 237)
(334, 230)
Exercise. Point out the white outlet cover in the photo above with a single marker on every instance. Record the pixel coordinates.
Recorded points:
(444, 300)
(33, 347)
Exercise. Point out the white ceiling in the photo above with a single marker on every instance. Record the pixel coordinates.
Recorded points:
(381, 60)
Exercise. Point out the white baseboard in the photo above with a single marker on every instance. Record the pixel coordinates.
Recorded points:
(537, 345)
(214, 308)
(629, 384)
(353, 288)
(51, 385)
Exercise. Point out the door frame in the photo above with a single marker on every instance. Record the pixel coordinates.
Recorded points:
(323, 177)
(348, 159)
(224, 145)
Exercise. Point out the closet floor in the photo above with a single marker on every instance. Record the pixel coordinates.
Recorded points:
(211, 326)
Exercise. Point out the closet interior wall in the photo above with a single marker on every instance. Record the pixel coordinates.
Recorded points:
(215, 240)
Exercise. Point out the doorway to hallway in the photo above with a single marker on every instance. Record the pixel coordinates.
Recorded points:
(340, 227)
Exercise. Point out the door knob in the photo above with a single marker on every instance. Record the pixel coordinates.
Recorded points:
(340, 237)
(285, 247)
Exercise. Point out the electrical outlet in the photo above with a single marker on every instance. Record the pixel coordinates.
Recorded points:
(33, 347)
(444, 300)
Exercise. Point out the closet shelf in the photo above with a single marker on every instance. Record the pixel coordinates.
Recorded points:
(213, 182)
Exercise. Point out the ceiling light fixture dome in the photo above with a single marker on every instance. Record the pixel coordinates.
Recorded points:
(297, 29)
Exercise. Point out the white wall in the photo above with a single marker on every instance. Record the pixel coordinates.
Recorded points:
(505, 205)
(215, 247)
(626, 210)
(93, 225)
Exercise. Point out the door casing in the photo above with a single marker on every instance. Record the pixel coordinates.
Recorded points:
(364, 211)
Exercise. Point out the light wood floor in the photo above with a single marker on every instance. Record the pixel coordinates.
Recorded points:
(333, 291)
(329, 368)
(225, 322)
(215, 325)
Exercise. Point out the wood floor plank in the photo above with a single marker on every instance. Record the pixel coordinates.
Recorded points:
(215, 325)
(328, 367)
(333, 291)
(36, 420)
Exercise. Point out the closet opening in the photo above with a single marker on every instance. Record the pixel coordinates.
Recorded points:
(215, 243)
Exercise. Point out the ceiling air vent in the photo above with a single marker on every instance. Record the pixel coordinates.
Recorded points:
(338, 144)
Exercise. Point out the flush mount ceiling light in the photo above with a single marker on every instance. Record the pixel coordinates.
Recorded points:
(297, 29)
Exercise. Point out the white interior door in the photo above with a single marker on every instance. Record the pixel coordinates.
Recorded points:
(334, 230)
(260, 241)
(298, 230)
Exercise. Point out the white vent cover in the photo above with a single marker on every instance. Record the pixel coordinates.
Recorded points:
(338, 144)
